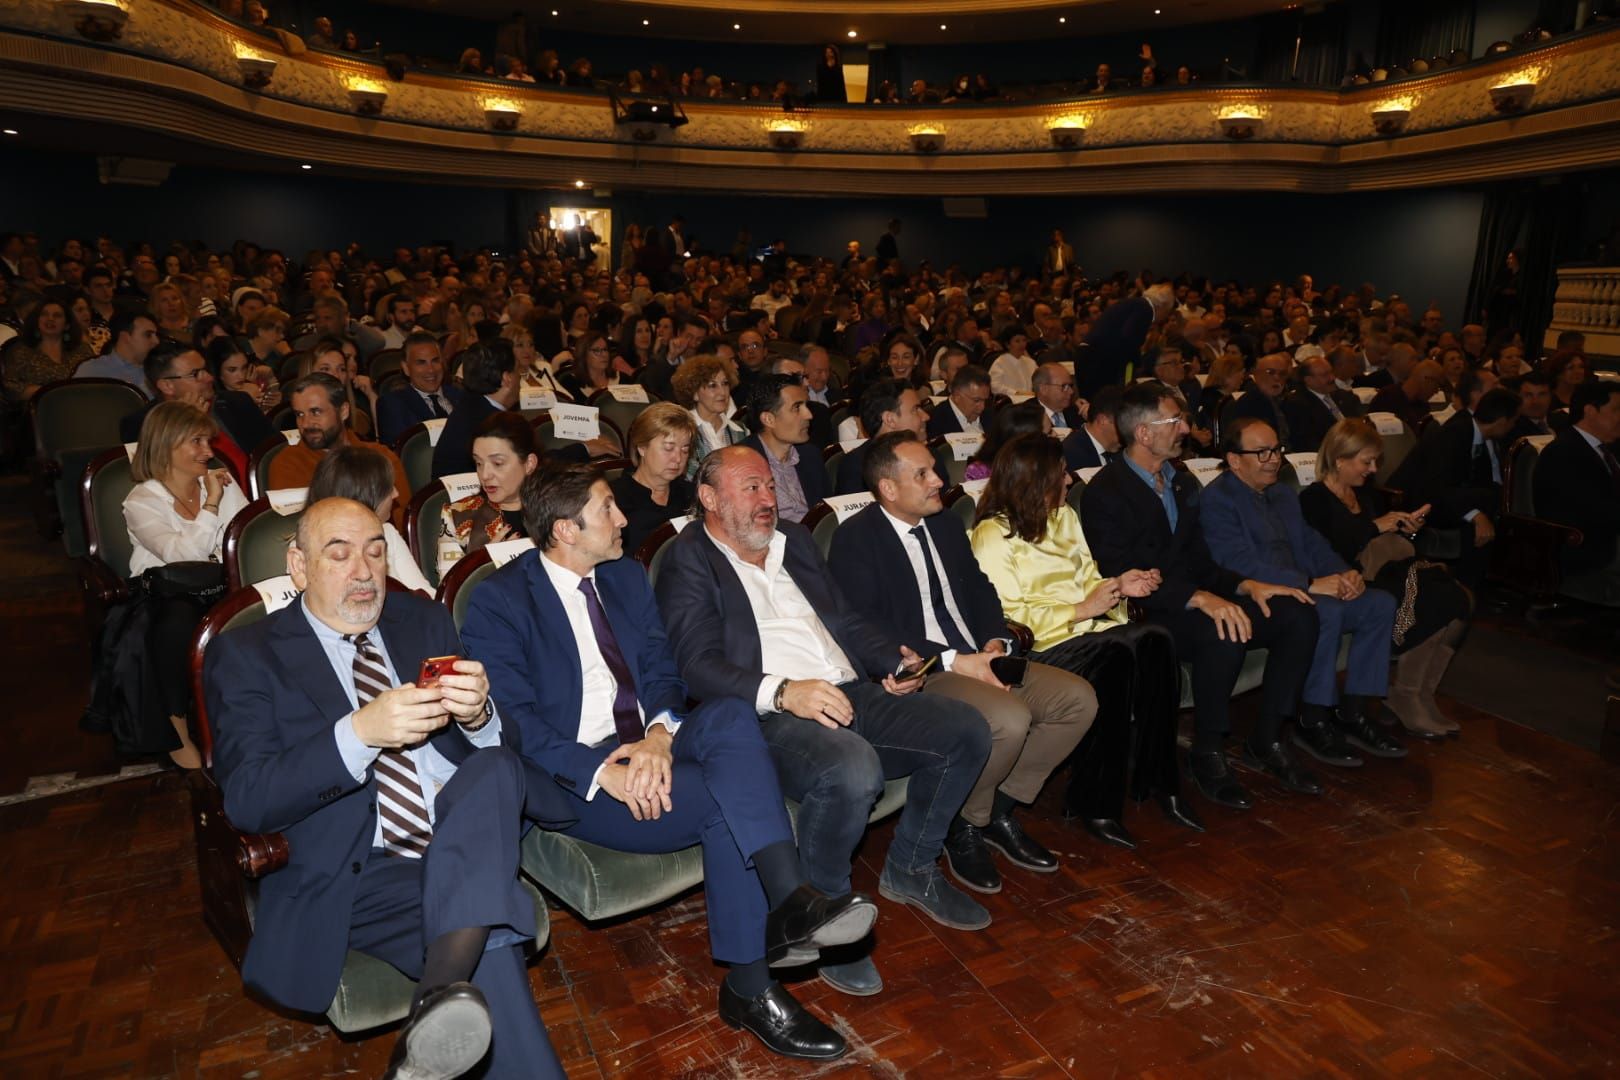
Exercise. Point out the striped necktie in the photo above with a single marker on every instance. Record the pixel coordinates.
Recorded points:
(405, 827)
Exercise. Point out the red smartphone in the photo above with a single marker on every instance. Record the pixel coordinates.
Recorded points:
(432, 668)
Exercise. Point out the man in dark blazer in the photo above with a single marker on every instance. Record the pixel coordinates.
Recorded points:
(427, 397)
(908, 568)
(1264, 402)
(313, 709)
(179, 373)
(1536, 415)
(887, 406)
(779, 416)
(754, 613)
(1096, 442)
(1140, 512)
(966, 406)
(1115, 340)
(578, 658)
(489, 375)
(1315, 408)
(1577, 483)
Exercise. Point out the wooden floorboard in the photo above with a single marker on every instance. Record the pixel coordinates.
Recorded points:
(1453, 914)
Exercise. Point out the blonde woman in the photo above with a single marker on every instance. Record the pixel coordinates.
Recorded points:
(660, 444)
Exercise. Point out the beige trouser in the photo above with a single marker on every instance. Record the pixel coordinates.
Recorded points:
(1033, 728)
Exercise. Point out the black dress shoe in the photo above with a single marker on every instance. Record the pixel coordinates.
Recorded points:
(1360, 732)
(781, 1023)
(1215, 781)
(1273, 760)
(1110, 831)
(968, 856)
(1323, 742)
(447, 1035)
(1008, 837)
(809, 920)
(1180, 811)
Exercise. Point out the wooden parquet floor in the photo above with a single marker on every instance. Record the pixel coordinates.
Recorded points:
(1453, 914)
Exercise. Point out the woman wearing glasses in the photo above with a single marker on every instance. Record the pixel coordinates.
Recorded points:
(592, 369)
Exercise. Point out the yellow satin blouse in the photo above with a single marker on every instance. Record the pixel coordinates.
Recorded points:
(1040, 584)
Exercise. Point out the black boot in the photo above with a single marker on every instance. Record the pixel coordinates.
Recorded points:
(1315, 735)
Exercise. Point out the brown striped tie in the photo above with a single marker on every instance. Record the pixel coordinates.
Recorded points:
(405, 826)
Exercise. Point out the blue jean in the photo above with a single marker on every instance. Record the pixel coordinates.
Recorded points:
(836, 775)
(1369, 619)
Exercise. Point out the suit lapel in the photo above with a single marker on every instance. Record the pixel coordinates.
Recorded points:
(556, 634)
(298, 650)
(892, 553)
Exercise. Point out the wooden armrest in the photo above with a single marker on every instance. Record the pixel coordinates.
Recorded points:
(1134, 612)
(99, 582)
(1022, 636)
(258, 854)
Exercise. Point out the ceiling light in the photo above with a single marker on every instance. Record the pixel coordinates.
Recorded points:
(736, 26)
(9, 131)
(1156, 11)
(579, 183)
(306, 166)
(554, 14)
(942, 26)
(1063, 18)
(646, 22)
(852, 33)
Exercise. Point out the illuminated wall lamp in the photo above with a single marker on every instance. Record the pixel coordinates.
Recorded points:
(257, 71)
(502, 117)
(367, 102)
(1390, 121)
(1240, 127)
(785, 138)
(95, 20)
(927, 142)
(1067, 136)
(1512, 98)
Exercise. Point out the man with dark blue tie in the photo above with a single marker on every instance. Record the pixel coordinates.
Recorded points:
(426, 397)
(580, 663)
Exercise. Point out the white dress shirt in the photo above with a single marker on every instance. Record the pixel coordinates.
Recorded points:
(158, 535)
(444, 399)
(974, 426)
(793, 642)
(919, 571)
(1012, 374)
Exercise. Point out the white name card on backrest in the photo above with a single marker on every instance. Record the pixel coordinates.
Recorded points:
(851, 444)
(130, 448)
(1365, 393)
(1085, 476)
(577, 422)
(938, 386)
(975, 488)
(1445, 414)
(1387, 423)
(681, 522)
(939, 399)
(1439, 398)
(293, 436)
(502, 552)
(285, 501)
(276, 592)
(1539, 441)
(1238, 393)
(460, 485)
(633, 392)
(847, 506)
(1203, 378)
(1304, 467)
(435, 428)
(1204, 468)
(964, 444)
(1608, 376)
(536, 398)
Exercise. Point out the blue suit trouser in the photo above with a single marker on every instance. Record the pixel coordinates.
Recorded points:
(1369, 619)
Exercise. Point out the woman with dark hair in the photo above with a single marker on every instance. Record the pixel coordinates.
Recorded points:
(592, 368)
(900, 357)
(366, 476)
(351, 42)
(1025, 418)
(50, 346)
(576, 317)
(830, 76)
(874, 325)
(1030, 545)
(232, 373)
(504, 455)
(636, 342)
(1567, 369)
(1502, 304)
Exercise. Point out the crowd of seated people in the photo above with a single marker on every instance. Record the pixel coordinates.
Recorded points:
(817, 677)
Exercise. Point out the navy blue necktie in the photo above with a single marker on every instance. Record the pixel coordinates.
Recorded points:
(626, 715)
(936, 595)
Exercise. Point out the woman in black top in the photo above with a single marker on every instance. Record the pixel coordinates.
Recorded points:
(660, 441)
(1433, 607)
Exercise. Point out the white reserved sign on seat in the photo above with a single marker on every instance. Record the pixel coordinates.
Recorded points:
(435, 428)
(1539, 441)
(286, 501)
(577, 422)
(536, 398)
(1365, 393)
(847, 506)
(460, 485)
(1445, 414)
(964, 444)
(130, 448)
(1304, 464)
(502, 552)
(1439, 397)
(681, 522)
(633, 392)
(1085, 476)
(851, 444)
(1204, 468)
(276, 592)
(293, 436)
(974, 488)
(1387, 423)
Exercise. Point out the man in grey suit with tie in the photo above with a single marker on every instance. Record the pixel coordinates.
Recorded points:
(1311, 411)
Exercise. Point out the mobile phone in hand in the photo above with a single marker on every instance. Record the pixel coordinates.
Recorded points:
(1009, 670)
(902, 673)
(432, 668)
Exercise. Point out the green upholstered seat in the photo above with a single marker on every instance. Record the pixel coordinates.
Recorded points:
(74, 421)
(416, 454)
(256, 542)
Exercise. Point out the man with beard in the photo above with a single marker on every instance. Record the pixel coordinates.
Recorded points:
(321, 408)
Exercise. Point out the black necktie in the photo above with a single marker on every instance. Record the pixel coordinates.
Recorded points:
(626, 715)
(438, 407)
(936, 595)
(1482, 465)
(1613, 467)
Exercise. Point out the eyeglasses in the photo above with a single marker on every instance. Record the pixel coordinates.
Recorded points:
(1264, 453)
(1166, 420)
(752, 345)
(194, 373)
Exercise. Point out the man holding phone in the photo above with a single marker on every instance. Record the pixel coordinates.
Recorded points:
(909, 569)
(754, 613)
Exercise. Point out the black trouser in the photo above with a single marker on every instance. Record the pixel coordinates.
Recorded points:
(1289, 637)
(1134, 671)
(174, 622)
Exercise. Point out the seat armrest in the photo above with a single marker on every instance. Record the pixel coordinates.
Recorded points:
(100, 583)
(258, 854)
(1023, 637)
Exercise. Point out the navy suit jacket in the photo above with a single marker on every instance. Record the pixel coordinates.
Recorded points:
(1127, 529)
(236, 413)
(1115, 342)
(870, 563)
(1572, 487)
(453, 454)
(811, 469)
(273, 699)
(1078, 453)
(517, 627)
(1309, 419)
(1256, 405)
(712, 623)
(1240, 539)
(852, 467)
(942, 421)
(1439, 471)
(399, 410)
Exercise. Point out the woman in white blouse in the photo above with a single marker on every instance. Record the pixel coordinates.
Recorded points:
(1014, 370)
(703, 385)
(176, 512)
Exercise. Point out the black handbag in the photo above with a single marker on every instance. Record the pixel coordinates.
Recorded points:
(203, 582)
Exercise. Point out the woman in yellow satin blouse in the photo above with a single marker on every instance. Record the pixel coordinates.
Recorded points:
(1029, 543)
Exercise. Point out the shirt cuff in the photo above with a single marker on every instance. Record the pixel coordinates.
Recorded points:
(765, 696)
(357, 756)
(947, 660)
(668, 720)
(596, 782)
(1471, 515)
(488, 735)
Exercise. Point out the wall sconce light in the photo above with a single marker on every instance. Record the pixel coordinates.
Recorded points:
(1390, 119)
(1512, 97)
(503, 117)
(367, 101)
(1240, 126)
(927, 139)
(96, 20)
(785, 138)
(257, 71)
(1067, 134)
